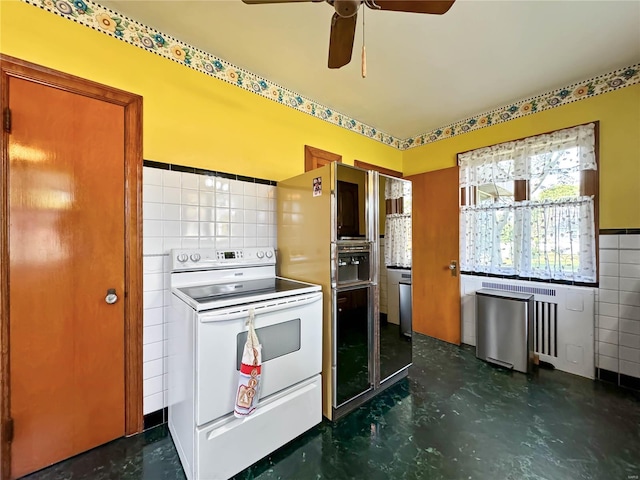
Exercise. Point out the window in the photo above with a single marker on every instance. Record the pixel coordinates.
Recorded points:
(528, 207)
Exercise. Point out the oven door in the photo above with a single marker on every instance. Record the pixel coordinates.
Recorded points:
(290, 331)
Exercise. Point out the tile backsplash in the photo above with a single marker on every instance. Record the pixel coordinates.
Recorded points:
(189, 208)
(618, 307)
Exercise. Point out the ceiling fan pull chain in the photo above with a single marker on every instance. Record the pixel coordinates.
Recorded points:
(364, 62)
(364, 51)
(344, 22)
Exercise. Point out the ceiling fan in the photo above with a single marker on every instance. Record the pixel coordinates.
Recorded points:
(343, 23)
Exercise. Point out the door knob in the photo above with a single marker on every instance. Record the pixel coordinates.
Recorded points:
(111, 297)
(453, 267)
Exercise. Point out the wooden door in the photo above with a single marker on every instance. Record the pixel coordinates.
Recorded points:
(316, 158)
(436, 290)
(66, 241)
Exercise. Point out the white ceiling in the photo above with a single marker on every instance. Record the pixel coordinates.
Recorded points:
(423, 71)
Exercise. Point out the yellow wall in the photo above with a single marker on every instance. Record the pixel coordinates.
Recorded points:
(189, 118)
(619, 116)
(192, 119)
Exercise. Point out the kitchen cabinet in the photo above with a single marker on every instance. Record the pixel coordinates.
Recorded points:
(348, 216)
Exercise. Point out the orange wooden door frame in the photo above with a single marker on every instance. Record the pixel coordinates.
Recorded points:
(371, 166)
(316, 158)
(436, 292)
(16, 68)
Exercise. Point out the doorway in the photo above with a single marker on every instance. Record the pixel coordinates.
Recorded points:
(70, 250)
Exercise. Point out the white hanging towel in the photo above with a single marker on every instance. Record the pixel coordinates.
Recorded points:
(250, 369)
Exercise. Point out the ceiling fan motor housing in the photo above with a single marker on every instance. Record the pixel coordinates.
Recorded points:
(343, 21)
(346, 8)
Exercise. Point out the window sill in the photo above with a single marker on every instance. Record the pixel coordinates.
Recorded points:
(531, 279)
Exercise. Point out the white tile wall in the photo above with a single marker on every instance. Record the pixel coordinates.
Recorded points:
(187, 210)
(618, 305)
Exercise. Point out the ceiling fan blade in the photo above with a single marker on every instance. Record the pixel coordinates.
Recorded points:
(435, 7)
(257, 2)
(343, 31)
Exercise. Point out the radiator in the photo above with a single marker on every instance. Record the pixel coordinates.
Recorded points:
(563, 321)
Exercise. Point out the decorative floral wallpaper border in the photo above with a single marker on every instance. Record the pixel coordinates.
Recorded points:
(607, 82)
(91, 14)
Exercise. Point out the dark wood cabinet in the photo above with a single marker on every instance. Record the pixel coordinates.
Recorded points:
(348, 215)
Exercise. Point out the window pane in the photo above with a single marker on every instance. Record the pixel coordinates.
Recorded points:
(500, 192)
(487, 241)
(504, 225)
(555, 175)
(561, 242)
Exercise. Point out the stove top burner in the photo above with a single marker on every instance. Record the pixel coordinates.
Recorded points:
(247, 288)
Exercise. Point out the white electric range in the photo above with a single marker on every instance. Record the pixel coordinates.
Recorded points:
(213, 292)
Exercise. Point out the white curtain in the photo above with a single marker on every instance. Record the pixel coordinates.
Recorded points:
(548, 240)
(397, 245)
(550, 236)
(513, 160)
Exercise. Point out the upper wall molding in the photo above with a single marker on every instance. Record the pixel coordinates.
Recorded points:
(114, 24)
(608, 82)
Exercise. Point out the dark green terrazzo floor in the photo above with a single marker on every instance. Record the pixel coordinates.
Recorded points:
(455, 417)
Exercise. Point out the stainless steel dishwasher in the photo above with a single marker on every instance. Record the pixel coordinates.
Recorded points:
(504, 328)
(395, 276)
(404, 291)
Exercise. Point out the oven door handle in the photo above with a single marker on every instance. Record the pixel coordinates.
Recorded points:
(266, 307)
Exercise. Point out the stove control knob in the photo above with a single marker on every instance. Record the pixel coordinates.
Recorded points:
(183, 257)
(260, 254)
(195, 257)
(269, 253)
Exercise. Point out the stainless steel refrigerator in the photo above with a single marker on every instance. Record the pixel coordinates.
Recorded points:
(329, 225)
